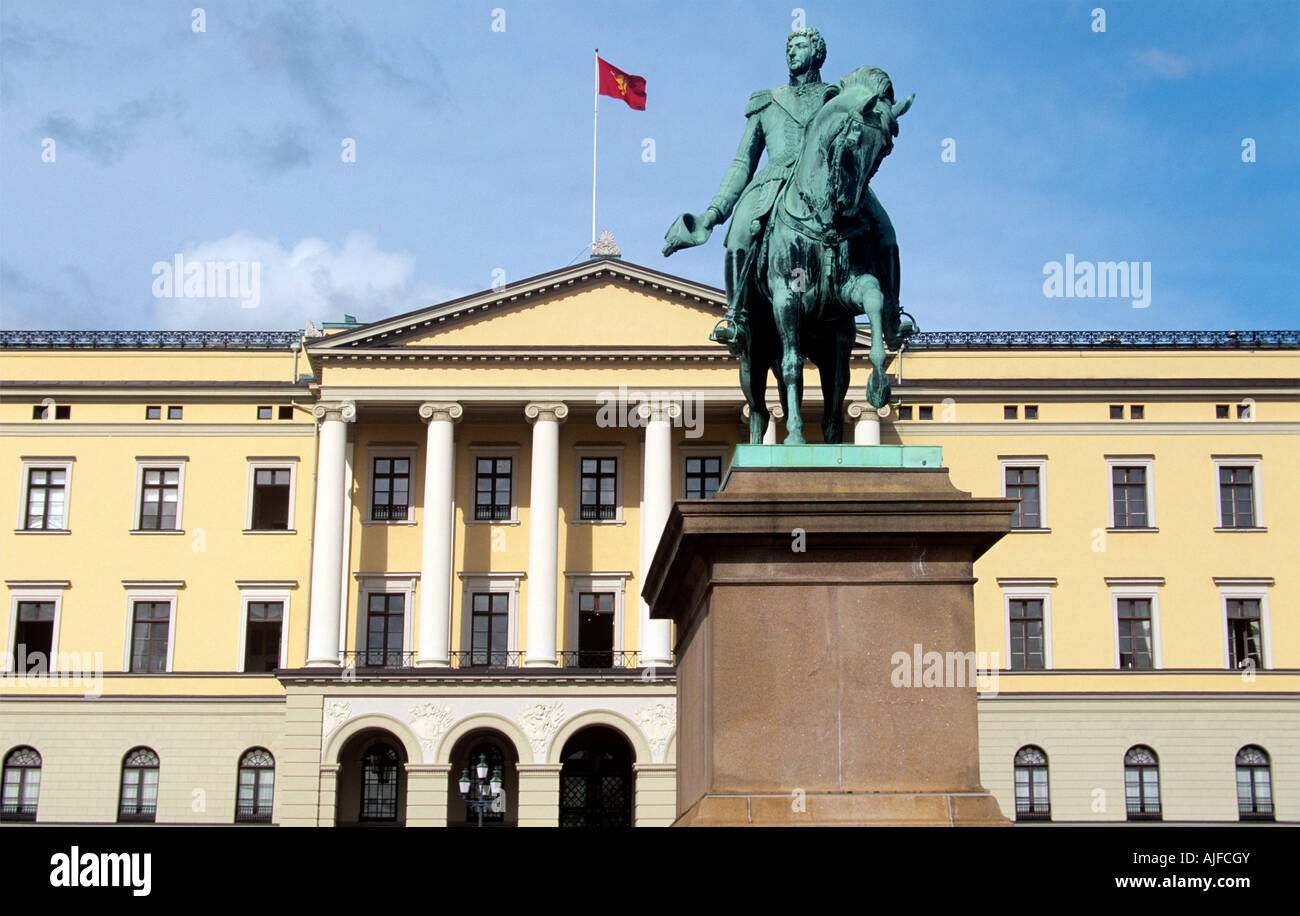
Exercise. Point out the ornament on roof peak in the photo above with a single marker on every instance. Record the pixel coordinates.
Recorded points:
(605, 247)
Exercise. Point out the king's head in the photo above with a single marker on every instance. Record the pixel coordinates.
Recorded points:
(805, 52)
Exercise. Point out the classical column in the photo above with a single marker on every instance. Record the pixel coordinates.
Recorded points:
(866, 422)
(543, 533)
(433, 648)
(327, 534)
(656, 503)
(769, 434)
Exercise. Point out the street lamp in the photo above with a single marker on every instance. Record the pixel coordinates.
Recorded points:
(480, 792)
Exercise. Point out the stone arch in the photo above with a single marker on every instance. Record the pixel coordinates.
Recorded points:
(489, 721)
(621, 724)
(670, 749)
(398, 729)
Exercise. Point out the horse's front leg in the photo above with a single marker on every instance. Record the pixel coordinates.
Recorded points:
(786, 309)
(864, 292)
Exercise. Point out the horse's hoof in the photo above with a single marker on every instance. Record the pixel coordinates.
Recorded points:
(878, 390)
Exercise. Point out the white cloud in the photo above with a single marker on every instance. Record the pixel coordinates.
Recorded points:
(1162, 63)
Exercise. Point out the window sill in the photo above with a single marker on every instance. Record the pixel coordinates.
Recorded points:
(42, 531)
(1134, 529)
(1241, 528)
(156, 531)
(1031, 530)
(597, 521)
(491, 521)
(270, 531)
(371, 521)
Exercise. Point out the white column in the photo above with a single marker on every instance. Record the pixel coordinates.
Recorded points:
(769, 434)
(433, 648)
(656, 503)
(866, 422)
(327, 535)
(543, 533)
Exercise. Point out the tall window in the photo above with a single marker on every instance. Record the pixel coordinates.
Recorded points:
(1022, 484)
(599, 485)
(33, 638)
(1142, 784)
(150, 623)
(385, 627)
(262, 636)
(256, 788)
(1134, 623)
(271, 487)
(492, 488)
(1033, 802)
(595, 629)
(22, 785)
(47, 497)
(379, 783)
(1245, 635)
(139, 797)
(390, 489)
(1237, 497)
(489, 628)
(160, 499)
(703, 476)
(1254, 784)
(1130, 496)
(1026, 618)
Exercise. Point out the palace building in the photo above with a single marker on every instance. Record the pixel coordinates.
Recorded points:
(264, 577)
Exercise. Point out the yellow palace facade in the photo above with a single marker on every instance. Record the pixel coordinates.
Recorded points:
(271, 578)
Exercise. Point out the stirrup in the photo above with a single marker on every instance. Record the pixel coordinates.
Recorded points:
(729, 331)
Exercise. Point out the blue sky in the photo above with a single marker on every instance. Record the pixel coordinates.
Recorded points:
(473, 151)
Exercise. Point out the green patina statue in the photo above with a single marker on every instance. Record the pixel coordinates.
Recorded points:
(809, 246)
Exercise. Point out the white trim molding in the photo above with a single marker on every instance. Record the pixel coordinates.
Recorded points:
(717, 450)
(1034, 590)
(1131, 461)
(33, 591)
(62, 463)
(1038, 463)
(479, 450)
(375, 450)
(143, 464)
(489, 583)
(146, 591)
(1136, 587)
(615, 450)
(386, 583)
(1249, 589)
(615, 582)
(289, 464)
(1255, 463)
(249, 593)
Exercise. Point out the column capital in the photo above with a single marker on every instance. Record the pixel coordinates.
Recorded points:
(775, 410)
(335, 410)
(658, 410)
(441, 412)
(554, 411)
(860, 409)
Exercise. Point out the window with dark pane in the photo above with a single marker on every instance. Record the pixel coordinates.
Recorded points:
(493, 482)
(1245, 634)
(21, 785)
(925, 413)
(489, 628)
(1254, 784)
(153, 413)
(599, 482)
(379, 783)
(1135, 647)
(495, 759)
(47, 498)
(391, 485)
(160, 499)
(175, 413)
(1129, 493)
(905, 412)
(1031, 411)
(1117, 411)
(596, 629)
(596, 780)
(149, 626)
(63, 412)
(271, 499)
(1237, 496)
(1142, 784)
(33, 638)
(1246, 411)
(139, 796)
(255, 790)
(1221, 412)
(703, 475)
(1033, 801)
(1010, 412)
(1026, 618)
(1023, 484)
(1136, 411)
(285, 412)
(264, 412)
(385, 627)
(262, 636)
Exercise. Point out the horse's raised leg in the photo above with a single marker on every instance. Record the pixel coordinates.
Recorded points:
(786, 309)
(865, 292)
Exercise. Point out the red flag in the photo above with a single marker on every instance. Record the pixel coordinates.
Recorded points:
(614, 82)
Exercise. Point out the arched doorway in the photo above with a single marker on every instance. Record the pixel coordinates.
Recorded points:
(372, 780)
(596, 781)
(498, 751)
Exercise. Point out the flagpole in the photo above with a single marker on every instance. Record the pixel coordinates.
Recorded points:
(595, 112)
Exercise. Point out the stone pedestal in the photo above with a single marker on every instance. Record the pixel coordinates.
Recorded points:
(825, 640)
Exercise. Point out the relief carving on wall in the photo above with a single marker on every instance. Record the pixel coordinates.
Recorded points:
(657, 721)
(430, 722)
(540, 723)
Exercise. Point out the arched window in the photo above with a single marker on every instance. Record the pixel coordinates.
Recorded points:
(496, 762)
(1254, 784)
(379, 782)
(1033, 803)
(256, 787)
(1142, 783)
(22, 784)
(139, 798)
(596, 781)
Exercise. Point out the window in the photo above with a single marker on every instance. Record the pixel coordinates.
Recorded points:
(925, 413)
(285, 412)
(150, 629)
(1221, 412)
(703, 475)
(1142, 784)
(905, 411)
(1245, 634)
(263, 632)
(595, 630)
(379, 781)
(1033, 803)
(1117, 411)
(1254, 784)
(599, 488)
(271, 500)
(264, 412)
(1244, 411)
(33, 643)
(1027, 633)
(390, 488)
(139, 797)
(490, 629)
(1031, 411)
(256, 787)
(22, 785)
(153, 413)
(1010, 412)
(45, 502)
(1136, 411)
(493, 488)
(1023, 483)
(175, 413)
(1238, 479)
(1135, 633)
(1132, 503)
(160, 497)
(385, 629)
(61, 412)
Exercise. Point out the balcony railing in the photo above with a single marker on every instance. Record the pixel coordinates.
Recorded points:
(20, 811)
(486, 659)
(252, 814)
